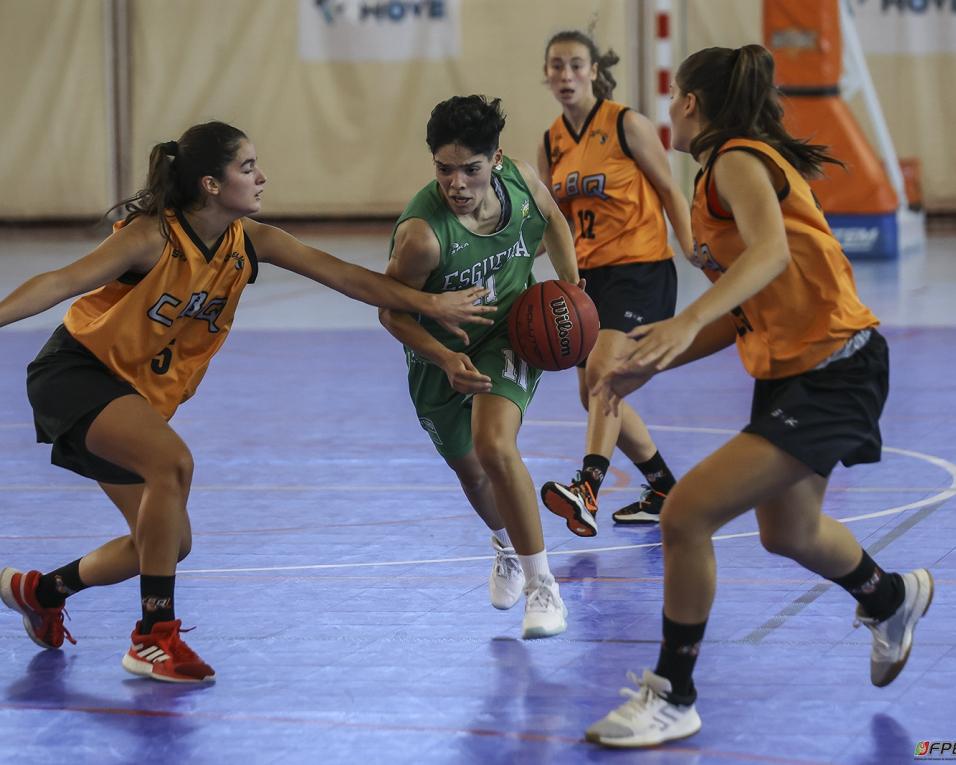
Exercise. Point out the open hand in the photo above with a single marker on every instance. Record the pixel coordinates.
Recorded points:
(452, 309)
(658, 344)
(617, 383)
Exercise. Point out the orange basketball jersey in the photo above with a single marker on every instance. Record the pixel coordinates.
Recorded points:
(615, 211)
(810, 310)
(159, 331)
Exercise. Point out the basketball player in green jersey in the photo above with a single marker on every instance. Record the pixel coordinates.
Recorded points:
(480, 222)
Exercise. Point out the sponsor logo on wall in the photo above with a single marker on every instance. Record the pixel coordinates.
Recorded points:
(909, 27)
(379, 30)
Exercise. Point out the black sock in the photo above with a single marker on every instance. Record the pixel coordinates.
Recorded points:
(157, 597)
(658, 475)
(54, 588)
(678, 656)
(593, 470)
(879, 593)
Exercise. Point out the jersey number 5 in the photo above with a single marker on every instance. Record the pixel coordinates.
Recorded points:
(162, 360)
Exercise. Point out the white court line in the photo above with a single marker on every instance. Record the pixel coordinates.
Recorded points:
(938, 498)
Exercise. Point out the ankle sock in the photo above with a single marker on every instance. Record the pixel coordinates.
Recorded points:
(878, 593)
(677, 657)
(535, 565)
(156, 593)
(658, 475)
(593, 471)
(502, 536)
(54, 588)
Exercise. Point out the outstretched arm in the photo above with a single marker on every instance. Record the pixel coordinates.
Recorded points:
(135, 247)
(273, 245)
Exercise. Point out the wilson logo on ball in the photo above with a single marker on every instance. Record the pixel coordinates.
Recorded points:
(559, 310)
(553, 325)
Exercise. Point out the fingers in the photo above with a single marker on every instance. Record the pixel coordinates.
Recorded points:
(471, 381)
(582, 283)
(602, 391)
(612, 404)
(653, 352)
(476, 315)
(476, 293)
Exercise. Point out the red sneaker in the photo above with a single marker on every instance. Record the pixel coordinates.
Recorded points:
(43, 625)
(163, 655)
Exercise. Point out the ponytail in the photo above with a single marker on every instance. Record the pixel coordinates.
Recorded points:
(738, 99)
(176, 168)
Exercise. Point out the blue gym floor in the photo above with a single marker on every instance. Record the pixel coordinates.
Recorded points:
(338, 579)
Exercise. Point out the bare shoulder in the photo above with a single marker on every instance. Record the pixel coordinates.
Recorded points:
(529, 174)
(140, 242)
(142, 230)
(743, 168)
(634, 119)
(640, 133)
(414, 237)
(539, 191)
(267, 240)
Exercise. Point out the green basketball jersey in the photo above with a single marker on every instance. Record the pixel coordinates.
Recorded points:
(501, 261)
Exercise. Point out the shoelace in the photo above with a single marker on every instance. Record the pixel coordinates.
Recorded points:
(541, 598)
(873, 626)
(179, 649)
(57, 628)
(506, 565)
(646, 494)
(637, 699)
(581, 487)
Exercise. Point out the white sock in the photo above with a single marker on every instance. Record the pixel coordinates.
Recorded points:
(502, 536)
(535, 565)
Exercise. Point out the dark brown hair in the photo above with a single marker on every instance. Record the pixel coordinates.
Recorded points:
(176, 167)
(605, 83)
(470, 121)
(738, 99)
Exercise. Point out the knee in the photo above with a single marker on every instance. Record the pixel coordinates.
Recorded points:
(495, 453)
(672, 530)
(680, 522)
(172, 471)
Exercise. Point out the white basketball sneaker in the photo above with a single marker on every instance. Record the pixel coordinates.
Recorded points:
(506, 580)
(649, 717)
(544, 612)
(893, 637)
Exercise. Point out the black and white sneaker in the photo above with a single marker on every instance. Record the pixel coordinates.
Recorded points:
(647, 509)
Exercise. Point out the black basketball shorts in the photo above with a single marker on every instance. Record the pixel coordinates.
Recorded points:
(632, 294)
(827, 415)
(68, 387)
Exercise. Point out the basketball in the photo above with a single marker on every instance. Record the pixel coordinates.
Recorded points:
(553, 325)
